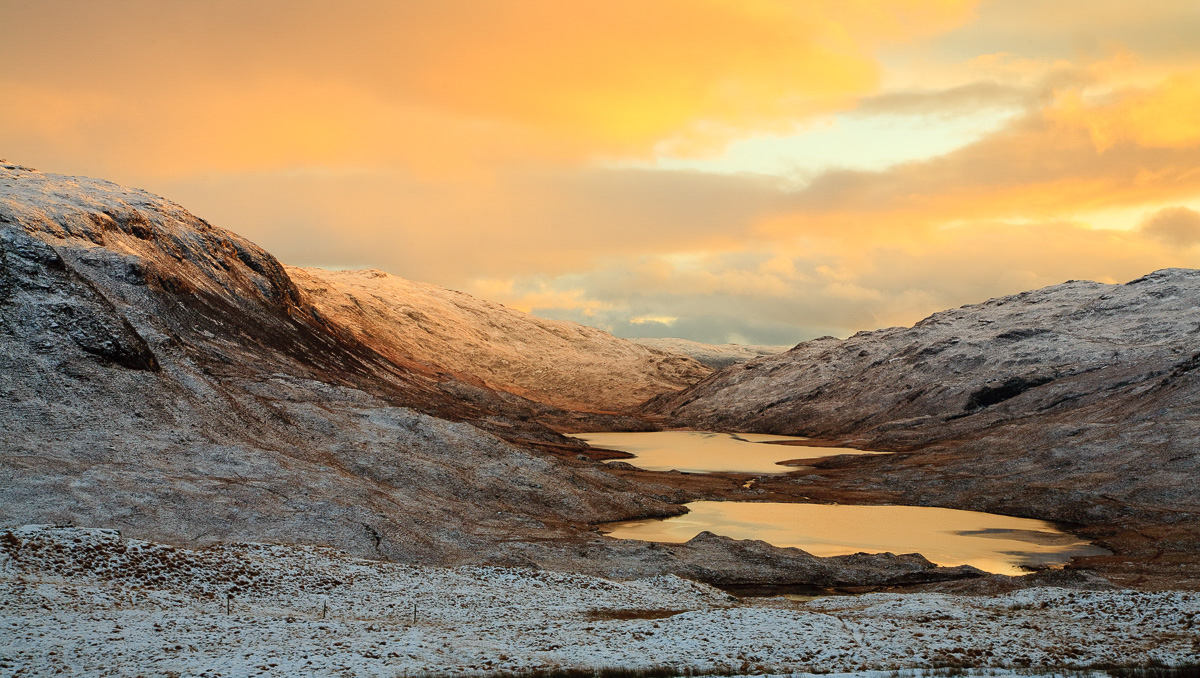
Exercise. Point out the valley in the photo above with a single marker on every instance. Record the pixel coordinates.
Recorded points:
(172, 388)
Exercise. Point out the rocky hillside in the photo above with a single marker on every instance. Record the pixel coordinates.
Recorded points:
(169, 379)
(716, 356)
(165, 377)
(966, 368)
(1076, 402)
(563, 364)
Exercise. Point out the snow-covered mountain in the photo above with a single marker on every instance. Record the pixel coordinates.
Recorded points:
(169, 379)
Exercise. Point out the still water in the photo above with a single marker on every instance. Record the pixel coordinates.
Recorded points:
(993, 543)
(706, 452)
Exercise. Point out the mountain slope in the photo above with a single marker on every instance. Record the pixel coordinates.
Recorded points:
(1077, 402)
(563, 364)
(167, 378)
(716, 356)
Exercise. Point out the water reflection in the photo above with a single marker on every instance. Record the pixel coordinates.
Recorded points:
(707, 452)
(992, 543)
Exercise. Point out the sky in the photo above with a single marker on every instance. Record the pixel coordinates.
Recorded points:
(750, 171)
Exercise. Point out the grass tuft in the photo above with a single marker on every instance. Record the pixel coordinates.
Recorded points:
(604, 615)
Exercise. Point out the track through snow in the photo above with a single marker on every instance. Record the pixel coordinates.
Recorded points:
(89, 603)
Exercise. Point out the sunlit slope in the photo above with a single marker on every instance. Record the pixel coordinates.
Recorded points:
(715, 356)
(559, 363)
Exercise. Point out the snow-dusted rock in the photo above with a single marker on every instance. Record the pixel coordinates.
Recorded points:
(978, 364)
(563, 364)
(140, 608)
(1077, 402)
(165, 377)
(715, 356)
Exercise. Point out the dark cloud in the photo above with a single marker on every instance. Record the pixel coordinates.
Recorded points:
(1173, 226)
(542, 220)
(962, 100)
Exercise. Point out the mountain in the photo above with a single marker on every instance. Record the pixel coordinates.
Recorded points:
(562, 364)
(715, 356)
(169, 379)
(1078, 402)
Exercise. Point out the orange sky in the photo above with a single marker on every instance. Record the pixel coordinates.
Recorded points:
(751, 170)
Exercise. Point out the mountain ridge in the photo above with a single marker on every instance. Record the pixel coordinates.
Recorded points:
(1078, 402)
(562, 364)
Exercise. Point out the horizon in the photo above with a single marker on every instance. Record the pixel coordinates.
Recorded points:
(760, 173)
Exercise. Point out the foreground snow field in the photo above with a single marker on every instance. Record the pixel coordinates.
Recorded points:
(77, 601)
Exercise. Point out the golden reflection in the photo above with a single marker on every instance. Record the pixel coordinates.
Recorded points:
(707, 452)
(992, 543)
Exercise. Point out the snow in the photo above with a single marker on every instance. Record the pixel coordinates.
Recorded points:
(89, 603)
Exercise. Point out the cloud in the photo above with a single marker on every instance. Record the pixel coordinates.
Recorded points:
(958, 100)
(545, 219)
(479, 145)
(1173, 226)
(1043, 165)
(744, 256)
(857, 250)
(1160, 117)
(839, 286)
(432, 87)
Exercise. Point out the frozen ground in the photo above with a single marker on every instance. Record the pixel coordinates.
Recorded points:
(79, 601)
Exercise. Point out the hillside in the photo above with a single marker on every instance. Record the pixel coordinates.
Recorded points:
(562, 364)
(1078, 402)
(716, 356)
(167, 378)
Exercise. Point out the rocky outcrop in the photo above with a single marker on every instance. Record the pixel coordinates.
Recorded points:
(563, 364)
(735, 563)
(716, 356)
(1078, 402)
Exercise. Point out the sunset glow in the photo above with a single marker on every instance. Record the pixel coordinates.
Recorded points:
(761, 171)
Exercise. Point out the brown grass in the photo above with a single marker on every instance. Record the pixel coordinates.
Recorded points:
(605, 615)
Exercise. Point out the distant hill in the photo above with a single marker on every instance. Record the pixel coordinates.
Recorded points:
(560, 363)
(716, 356)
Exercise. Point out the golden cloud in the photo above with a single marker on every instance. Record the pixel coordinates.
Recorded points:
(1167, 116)
(168, 88)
